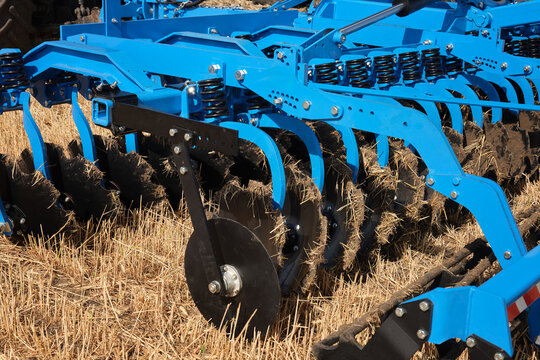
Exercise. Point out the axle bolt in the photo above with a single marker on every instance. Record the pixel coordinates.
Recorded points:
(278, 101)
(507, 255)
(173, 132)
(188, 136)
(183, 170)
(454, 194)
(422, 334)
(335, 110)
(240, 75)
(214, 287)
(527, 68)
(177, 149)
(471, 342)
(400, 312)
(450, 47)
(498, 356)
(306, 105)
(424, 306)
(212, 69)
(504, 66)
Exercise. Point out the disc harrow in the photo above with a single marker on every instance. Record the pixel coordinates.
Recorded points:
(314, 137)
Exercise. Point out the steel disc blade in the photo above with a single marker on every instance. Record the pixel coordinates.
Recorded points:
(256, 305)
(33, 203)
(133, 176)
(251, 206)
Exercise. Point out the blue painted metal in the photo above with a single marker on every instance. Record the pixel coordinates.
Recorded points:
(34, 137)
(167, 49)
(85, 133)
(4, 219)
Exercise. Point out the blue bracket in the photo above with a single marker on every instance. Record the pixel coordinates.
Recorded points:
(271, 151)
(308, 137)
(132, 143)
(85, 133)
(482, 311)
(37, 145)
(351, 148)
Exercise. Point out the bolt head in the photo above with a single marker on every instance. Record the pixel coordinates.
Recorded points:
(214, 287)
(427, 42)
(537, 339)
(471, 342)
(122, 128)
(335, 225)
(498, 356)
(430, 181)
(173, 132)
(280, 55)
(527, 68)
(400, 312)
(424, 306)
(343, 38)
(188, 136)
(422, 334)
(278, 101)
(82, 38)
(335, 110)
(213, 31)
(183, 170)
(191, 90)
(450, 47)
(309, 20)
(306, 105)
(504, 66)
(507, 255)
(485, 32)
(253, 121)
(177, 149)
(240, 75)
(114, 20)
(212, 69)
(297, 227)
(454, 194)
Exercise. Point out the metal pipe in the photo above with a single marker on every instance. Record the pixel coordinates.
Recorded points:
(360, 24)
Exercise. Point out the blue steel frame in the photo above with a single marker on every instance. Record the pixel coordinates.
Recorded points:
(138, 56)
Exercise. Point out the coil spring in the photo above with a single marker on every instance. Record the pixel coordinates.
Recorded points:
(255, 102)
(358, 73)
(454, 65)
(432, 62)
(534, 47)
(517, 47)
(12, 71)
(214, 98)
(327, 73)
(410, 66)
(385, 69)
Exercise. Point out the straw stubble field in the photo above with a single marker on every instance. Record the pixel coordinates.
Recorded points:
(120, 292)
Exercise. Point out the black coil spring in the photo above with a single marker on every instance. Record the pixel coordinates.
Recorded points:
(534, 47)
(517, 47)
(385, 69)
(12, 71)
(432, 62)
(454, 65)
(327, 73)
(214, 98)
(255, 102)
(410, 66)
(358, 73)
